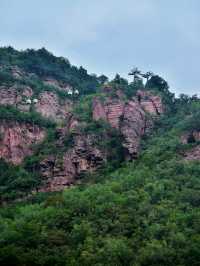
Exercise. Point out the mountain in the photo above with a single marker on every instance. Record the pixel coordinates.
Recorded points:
(92, 171)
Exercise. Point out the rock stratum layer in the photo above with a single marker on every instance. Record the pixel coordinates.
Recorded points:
(84, 157)
(48, 103)
(16, 140)
(130, 119)
(127, 117)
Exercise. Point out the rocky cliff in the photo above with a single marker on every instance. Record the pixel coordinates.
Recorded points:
(51, 107)
(193, 138)
(16, 140)
(84, 157)
(47, 91)
(48, 103)
(129, 117)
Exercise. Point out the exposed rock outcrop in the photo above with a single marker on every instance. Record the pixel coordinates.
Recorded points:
(59, 172)
(17, 72)
(79, 151)
(48, 103)
(129, 117)
(16, 140)
(110, 110)
(150, 103)
(190, 137)
(14, 95)
(85, 155)
(59, 85)
(9, 96)
(133, 126)
(193, 154)
(49, 106)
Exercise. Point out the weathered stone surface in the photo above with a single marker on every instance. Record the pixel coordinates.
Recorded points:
(48, 104)
(98, 108)
(50, 107)
(110, 110)
(133, 126)
(84, 157)
(15, 96)
(59, 85)
(9, 96)
(16, 140)
(114, 110)
(190, 137)
(193, 154)
(150, 103)
(129, 117)
(17, 72)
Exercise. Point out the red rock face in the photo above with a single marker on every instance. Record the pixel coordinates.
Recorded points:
(16, 140)
(133, 127)
(55, 83)
(110, 111)
(49, 106)
(193, 154)
(190, 137)
(57, 173)
(150, 103)
(9, 96)
(129, 118)
(84, 157)
(115, 110)
(15, 97)
(99, 110)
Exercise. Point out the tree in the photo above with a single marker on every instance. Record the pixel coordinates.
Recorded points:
(102, 79)
(147, 75)
(135, 72)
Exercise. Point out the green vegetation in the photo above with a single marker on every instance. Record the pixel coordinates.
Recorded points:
(16, 182)
(145, 213)
(10, 113)
(140, 213)
(44, 64)
(19, 181)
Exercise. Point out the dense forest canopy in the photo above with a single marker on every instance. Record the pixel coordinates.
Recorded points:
(44, 64)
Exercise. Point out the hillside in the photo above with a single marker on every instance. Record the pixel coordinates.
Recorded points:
(92, 171)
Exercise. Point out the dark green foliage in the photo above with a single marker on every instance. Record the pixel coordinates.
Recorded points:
(141, 213)
(16, 182)
(10, 113)
(38, 86)
(192, 122)
(102, 79)
(160, 86)
(144, 213)
(20, 181)
(6, 78)
(44, 64)
(83, 109)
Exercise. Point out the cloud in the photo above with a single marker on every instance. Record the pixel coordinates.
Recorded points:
(111, 36)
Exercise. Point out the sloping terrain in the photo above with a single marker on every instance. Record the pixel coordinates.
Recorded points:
(94, 172)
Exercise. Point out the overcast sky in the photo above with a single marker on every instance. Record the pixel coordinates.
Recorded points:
(109, 36)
